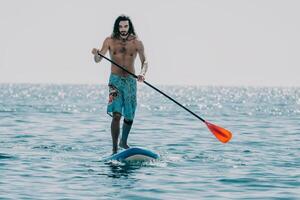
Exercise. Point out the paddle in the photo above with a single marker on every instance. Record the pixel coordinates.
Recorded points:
(221, 134)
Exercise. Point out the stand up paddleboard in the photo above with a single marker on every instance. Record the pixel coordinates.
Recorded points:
(134, 154)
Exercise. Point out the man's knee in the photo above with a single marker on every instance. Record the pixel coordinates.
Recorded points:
(116, 116)
(128, 122)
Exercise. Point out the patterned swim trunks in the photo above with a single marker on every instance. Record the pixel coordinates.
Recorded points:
(122, 96)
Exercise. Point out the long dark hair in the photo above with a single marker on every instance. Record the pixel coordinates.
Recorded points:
(116, 32)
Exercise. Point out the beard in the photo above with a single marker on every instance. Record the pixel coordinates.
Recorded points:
(123, 33)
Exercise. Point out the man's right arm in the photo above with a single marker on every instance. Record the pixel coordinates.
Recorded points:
(103, 50)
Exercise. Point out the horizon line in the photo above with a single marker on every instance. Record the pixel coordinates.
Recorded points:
(160, 84)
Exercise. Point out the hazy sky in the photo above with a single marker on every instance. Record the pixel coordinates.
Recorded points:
(212, 42)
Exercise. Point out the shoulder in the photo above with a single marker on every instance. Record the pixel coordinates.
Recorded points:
(107, 42)
(139, 44)
(135, 40)
(108, 39)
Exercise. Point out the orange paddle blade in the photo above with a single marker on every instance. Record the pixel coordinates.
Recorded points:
(221, 133)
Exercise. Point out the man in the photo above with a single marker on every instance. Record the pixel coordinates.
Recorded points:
(123, 46)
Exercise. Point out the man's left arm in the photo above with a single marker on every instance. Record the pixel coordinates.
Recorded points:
(144, 62)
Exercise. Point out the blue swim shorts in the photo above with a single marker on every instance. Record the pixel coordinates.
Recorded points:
(122, 96)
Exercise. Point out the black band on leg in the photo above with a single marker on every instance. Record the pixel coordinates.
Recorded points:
(128, 122)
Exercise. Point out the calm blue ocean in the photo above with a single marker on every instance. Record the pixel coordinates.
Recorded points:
(53, 137)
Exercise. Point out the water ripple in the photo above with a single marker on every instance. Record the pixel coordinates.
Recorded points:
(53, 137)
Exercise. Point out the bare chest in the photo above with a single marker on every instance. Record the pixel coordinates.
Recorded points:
(123, 48)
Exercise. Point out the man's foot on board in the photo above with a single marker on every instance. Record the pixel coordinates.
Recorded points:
(114, 151)
(124, 146)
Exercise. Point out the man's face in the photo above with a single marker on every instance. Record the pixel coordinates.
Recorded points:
(124, 27)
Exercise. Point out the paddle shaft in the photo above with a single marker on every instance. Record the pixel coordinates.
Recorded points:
(161, 92)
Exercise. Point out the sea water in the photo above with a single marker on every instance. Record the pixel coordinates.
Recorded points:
(53, 139)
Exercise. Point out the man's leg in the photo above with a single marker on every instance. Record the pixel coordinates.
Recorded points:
(115, 131)
(125, 132)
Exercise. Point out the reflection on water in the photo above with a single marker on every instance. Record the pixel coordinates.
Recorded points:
(124, 170)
